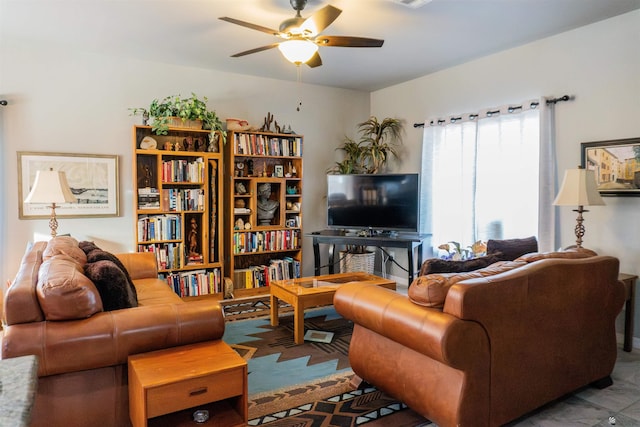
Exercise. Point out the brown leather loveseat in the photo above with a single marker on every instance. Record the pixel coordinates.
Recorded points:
(486, 347)
(54, 311)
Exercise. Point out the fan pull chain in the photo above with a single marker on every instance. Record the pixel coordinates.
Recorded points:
(299, 84)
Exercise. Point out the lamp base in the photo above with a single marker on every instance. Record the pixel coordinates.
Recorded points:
(53, 221)
(579, 230)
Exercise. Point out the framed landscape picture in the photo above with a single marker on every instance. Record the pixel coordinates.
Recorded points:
(616, 164)
(93, 179)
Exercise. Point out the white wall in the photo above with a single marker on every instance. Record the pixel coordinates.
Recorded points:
(72, 102)
(599, 64)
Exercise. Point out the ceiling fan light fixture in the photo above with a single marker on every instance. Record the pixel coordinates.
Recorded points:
(298, 51)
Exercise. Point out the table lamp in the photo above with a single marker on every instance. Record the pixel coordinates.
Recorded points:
(579, 188)
(51, 187)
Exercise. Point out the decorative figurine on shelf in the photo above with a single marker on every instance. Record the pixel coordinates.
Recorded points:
(168, 146)
(266, 207)
(239, 224)
(264, 168)
(239, 169)
(247, 225)
(249, 167)
(193, 239)
(240, 188)
(277, 126)
(266, 127)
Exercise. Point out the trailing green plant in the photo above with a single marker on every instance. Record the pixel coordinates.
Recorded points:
(378, 141)
(192, 108)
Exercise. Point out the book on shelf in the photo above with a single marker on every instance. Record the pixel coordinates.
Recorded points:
(240, 211)
(196, 282)
(148, 198)
(266, 145)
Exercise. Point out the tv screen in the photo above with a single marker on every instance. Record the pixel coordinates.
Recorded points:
(387, 202)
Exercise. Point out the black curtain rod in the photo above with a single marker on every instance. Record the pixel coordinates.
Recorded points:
(510, 109)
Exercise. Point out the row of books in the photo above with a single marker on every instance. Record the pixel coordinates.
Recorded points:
(261, 241)
(262, 275)
(159, 227)
(195, 283)
(168, 255)
(189, 199)
(181, 170)
(148, 198)
(264, 145)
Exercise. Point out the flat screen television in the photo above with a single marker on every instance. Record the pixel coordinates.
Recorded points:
(387, 202)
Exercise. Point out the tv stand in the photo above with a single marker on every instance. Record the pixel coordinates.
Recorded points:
(408, 241)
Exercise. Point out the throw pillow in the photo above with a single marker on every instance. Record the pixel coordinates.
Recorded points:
(64, 293)
(512, 248)
(94, 253)
(436, 265)
(431, 290)
(65, 245)
(112, 285)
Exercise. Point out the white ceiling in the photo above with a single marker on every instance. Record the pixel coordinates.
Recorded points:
(438, 35)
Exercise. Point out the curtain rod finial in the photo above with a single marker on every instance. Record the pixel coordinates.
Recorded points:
(3, 102)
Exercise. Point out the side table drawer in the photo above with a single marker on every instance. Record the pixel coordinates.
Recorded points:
(191, 392)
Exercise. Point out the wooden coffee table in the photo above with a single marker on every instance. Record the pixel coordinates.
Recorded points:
(313, 292)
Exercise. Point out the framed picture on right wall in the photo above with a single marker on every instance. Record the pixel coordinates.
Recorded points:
(616, 164)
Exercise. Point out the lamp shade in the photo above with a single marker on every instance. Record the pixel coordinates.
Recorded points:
(50, 187)
(298, 51)
(579, 188)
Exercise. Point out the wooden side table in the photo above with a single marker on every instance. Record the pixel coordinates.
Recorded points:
(167, 386)
(629, 281)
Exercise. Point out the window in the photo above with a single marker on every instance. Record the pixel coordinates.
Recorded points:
(481, 178)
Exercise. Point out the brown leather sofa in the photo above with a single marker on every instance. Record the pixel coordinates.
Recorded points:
(83, 358)
(486, 347)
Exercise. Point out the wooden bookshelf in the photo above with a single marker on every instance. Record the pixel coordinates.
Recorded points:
(178, 199)
(257, 249)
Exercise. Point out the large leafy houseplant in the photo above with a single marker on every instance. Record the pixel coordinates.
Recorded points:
(378, 141)
(192, 108)
(369, 155)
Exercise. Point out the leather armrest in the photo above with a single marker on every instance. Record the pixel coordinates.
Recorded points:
(437, 335)
(140, 265)
(108, 338)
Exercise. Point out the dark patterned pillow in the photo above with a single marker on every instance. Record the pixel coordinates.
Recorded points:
(111, 284)
(94, 254)
(512, 248)
(436, 265)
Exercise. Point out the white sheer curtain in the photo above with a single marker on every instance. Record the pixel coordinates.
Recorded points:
(480, 176)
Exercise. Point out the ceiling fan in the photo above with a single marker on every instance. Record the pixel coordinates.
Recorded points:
(302, 35)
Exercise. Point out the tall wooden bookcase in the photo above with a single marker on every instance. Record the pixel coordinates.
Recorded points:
(256, 252)
(178, 204)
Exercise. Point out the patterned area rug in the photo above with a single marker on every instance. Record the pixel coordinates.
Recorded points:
(350, 408)
(249, 308)
(308, 384)
(275, 361)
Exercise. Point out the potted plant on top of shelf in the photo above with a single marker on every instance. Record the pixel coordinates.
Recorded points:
(182, 112)
(378, 141)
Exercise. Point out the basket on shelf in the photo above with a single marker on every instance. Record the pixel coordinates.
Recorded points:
(177, 122)
(351, 262)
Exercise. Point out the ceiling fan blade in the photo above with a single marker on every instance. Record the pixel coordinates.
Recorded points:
(315, 61)
(320, 20)
(256, 50)
(250, 25)
(347, 41)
